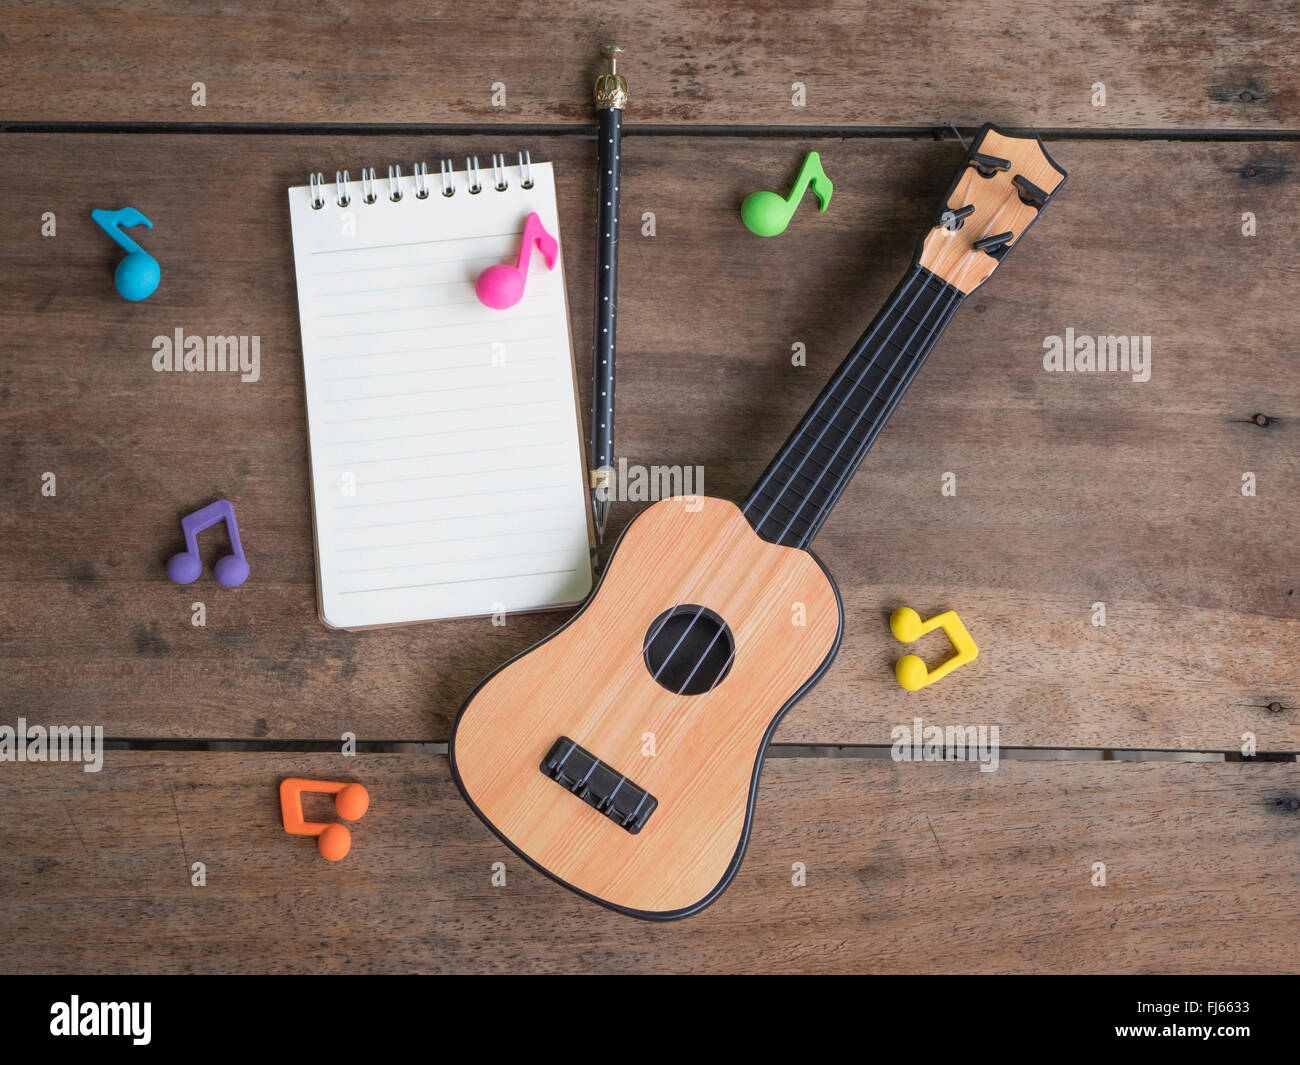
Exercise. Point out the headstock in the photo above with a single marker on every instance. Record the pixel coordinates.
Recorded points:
(1003, 185)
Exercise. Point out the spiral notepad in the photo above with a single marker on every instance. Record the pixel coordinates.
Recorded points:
(446, 453)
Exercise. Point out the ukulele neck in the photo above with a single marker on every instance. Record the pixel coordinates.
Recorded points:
(1002, 185)
(800, 486)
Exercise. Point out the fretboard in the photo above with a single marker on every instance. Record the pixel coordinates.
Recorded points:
(796, 492)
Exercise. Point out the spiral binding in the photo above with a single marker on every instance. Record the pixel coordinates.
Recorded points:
(419, 181)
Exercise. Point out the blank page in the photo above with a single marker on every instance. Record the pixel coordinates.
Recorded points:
(448, 477)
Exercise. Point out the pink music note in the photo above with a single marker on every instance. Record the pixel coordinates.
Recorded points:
(230, 571)
(500, 287)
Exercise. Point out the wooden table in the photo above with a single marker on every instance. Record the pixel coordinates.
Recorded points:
(1072, 490)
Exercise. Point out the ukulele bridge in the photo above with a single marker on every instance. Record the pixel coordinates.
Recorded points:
(599, 785)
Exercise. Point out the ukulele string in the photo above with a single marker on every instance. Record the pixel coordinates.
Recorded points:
(740, 537)
(689, 724)
(949, 309)
(728, 542)
(725, 544)
(648, 782)
(736, 539)
(816, 412)
(886, 409)
(944, 315)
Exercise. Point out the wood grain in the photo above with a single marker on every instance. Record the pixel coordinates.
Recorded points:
(1072, 489)
(910, 868)
(1187, 64)
(589, 684)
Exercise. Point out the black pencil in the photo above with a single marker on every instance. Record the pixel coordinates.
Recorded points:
(611, 98)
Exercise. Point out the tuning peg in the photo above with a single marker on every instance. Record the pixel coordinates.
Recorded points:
(1030, 193)
(987, 165)
(996, 245)
(952, 220)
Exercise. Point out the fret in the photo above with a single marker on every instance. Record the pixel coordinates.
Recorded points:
(791, 501)
(803, 482)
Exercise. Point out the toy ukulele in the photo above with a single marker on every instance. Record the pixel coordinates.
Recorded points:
(620, 756)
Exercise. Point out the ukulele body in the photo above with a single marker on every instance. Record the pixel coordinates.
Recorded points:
(562, 749)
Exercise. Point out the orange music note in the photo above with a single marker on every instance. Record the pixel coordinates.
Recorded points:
(499, 286)
(334, 840)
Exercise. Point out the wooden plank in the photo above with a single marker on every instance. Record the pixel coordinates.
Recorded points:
(909, 868)
(1188, 64)
(1071, 489)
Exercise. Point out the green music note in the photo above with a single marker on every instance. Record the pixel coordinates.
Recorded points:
(766, 214)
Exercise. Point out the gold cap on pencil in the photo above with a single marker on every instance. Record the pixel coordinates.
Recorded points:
(611, 89)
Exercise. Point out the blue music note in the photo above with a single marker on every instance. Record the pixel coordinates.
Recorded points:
(137, 275)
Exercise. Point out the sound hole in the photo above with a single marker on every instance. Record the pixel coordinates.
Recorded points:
(689, 649)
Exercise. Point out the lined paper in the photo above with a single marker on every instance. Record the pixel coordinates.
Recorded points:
(448, 477)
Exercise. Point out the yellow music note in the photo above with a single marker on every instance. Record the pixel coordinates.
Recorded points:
(906, 625)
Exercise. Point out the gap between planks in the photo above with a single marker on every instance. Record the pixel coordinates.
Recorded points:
(775, 750)
(588, 131)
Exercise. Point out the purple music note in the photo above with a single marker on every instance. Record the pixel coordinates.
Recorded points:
(230, 571)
